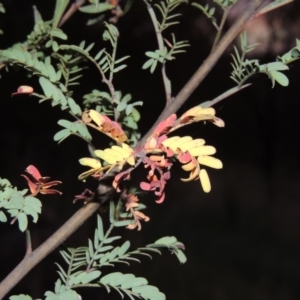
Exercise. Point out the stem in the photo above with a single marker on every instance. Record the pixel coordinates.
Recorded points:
(270, 7)
(204, 69)
(28, 242)
(108, 232)
(227, 94)
(47, 247)
(220, 28)
(160, 41)
(75, 6)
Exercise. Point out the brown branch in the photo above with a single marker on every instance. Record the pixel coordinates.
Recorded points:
(47, 247)
(86, 211)
(174, 105)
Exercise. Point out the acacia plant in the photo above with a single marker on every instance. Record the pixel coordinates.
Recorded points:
(49, 57)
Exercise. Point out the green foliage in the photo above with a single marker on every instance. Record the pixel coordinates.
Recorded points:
(2, 11)
(75, 128)
(96, 8)
(18, 205)
(166, 7)
(291, 55)
(163, 55)
(84, 263)
(243, 68)
(61, 292)
(20, 297)
(60, 7)
(208, 12)
(225, 3)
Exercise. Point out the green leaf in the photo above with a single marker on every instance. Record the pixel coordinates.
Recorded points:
(280, 78)
(98, 55)
(16, 201)
(121, 106)
(95, 9)
(23, 221)
(276, 66)
(152, 69)
(88, 277)
(60, 8)
(30, 211)
(181, 256)
(20, 297)
(111, 239)
(3, 217)
(138, 281)
(122, 223)
(46, 86)
(83, 131)
(152, 54)
(34, 203)
(123, 249)
(100, 228)
(61, 135)
(91, 248)
(128, 109)
(75, 108)
(55, 48)
(168, 240)
(107, 279)
(67, 124)
(119, 68)
(111, 212)
(56, 32)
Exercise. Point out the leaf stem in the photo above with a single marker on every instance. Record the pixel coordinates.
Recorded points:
(227, 94)
(160, 41)
(220, 28)
(108, 232)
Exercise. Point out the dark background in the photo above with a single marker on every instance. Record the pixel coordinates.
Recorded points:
(242, 239)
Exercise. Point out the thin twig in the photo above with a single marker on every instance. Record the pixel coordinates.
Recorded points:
(270, 7)
(227, 94)
(160, 42)
(28, 242)
(47, 247)
(75, 6)
(174, 105)
(220, 28)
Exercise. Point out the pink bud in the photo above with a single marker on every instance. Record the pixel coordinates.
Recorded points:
(24, 89)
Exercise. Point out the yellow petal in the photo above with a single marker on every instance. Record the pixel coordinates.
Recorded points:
(127, 148)
(115, 154)
(96, 117)
(191, 144)
(176, 143)
(202, 150)
(189, 166)
(204, 180)
(193, 174)
(131, 160)
(121, 150)
(168, 141)
(210, 162)
(90, 162)
(105, 156)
